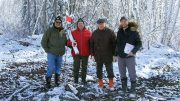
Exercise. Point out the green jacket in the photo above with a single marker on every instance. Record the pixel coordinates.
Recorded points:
(54, 41)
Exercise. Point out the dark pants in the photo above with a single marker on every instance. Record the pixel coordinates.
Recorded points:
(109, 69)
(80, 61)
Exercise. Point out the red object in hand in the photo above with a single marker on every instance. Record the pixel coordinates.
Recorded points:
(69, 19)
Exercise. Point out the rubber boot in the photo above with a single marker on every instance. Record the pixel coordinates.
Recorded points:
(111, 84)
(101, 83)
(124, 85)
(133, 89)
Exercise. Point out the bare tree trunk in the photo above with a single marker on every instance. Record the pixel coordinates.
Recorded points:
(165, 28)
(72, 5)
(168, 14)
(38, 17)
(28, 18)
(34, 14)
(174, 21)
(169, 23)
(44, 16)
(55, 8)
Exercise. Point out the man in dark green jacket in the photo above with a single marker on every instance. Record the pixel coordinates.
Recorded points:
(54, 42)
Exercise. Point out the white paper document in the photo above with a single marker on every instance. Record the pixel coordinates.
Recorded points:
(128, 48)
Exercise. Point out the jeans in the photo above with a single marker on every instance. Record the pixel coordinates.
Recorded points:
(54, 64)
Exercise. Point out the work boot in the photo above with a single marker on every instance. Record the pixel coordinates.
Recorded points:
(101, 83)
(57, 79)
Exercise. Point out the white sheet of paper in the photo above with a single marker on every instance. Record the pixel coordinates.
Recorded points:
(128, 48)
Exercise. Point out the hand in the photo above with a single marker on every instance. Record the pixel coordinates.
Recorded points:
(115, 59)
(130, 54)
(92, 58)
(74, 44)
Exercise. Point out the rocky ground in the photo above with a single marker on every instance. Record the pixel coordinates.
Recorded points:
(25, 81)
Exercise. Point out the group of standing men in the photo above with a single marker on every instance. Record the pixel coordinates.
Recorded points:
(103, 44)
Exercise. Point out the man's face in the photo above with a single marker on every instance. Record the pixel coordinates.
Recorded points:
(58, 23)
(124, 23)
(101, 26)
(80, 25)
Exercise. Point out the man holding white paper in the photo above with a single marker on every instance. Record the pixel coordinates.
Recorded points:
(128, 43)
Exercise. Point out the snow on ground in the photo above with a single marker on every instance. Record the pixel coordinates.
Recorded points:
(12, 51)
(156, 61)
(158, 66)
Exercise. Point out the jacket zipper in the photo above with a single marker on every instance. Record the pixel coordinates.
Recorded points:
(81, 42)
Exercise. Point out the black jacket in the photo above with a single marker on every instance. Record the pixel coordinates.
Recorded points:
(103, 44)
(131, 36)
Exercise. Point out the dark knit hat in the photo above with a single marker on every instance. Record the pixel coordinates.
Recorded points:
(58, 18)
(80, 20)
(101, 21)
(123, 18)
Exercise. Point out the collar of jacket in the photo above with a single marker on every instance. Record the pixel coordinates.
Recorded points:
(58, 29)
(127, 29)
(80, 30)
(103, 29)
(61, 32)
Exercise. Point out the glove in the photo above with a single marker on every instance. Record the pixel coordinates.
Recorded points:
(115, 58)
(74, 44)
(92, 58)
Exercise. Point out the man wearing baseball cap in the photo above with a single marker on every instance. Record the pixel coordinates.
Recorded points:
(82, 37)
(127, 39)
(103, 43)
(54, 42)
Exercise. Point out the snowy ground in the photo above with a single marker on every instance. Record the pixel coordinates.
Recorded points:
(23, 65)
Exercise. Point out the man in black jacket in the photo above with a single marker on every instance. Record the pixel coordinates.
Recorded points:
(102, 45)
(128, 43)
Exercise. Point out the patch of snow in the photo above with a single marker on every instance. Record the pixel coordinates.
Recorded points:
(74, 90)
(57, 91)
(89, 78)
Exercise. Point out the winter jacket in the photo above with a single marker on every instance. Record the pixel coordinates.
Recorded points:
(54, 41)
(83, 41)
(129, 35)
(103, 43)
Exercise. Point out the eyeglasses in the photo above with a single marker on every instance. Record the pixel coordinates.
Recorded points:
(58, 22)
